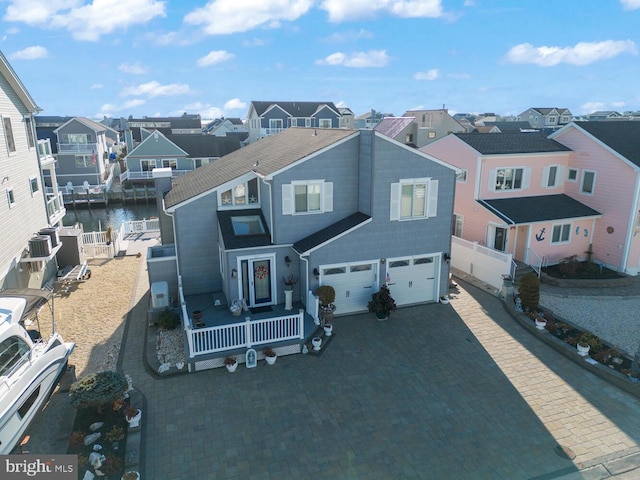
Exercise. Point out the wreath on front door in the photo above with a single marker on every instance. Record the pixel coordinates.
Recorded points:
(262, 272)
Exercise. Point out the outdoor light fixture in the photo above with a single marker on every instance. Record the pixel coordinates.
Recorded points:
(446, 257)
(234, 273)
(316, 273)
(287, 260)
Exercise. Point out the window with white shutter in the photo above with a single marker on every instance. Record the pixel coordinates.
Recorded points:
(413, 199)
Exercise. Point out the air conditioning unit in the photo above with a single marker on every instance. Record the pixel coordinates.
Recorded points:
(53, 233)
(40, 246)
(159, 295)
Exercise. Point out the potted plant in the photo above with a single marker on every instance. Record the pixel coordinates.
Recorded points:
(236, 308)
(327, 295)
(382, 303)
(231, 363)
(132, 475)
(289, 282)
(133, 415)
(588, 342)
(270, 356)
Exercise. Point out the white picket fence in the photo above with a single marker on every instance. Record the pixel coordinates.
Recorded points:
(95, 243)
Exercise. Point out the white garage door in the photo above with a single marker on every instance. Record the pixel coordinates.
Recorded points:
(412, 279)
(354, 283)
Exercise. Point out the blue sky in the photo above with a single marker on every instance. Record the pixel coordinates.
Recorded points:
(150, 57)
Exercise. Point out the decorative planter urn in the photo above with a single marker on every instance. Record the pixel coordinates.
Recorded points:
(231, 368)
(135, 420)
(583, 350)
(271, 360)
(328, 329)
(316, 342)
(541, 323)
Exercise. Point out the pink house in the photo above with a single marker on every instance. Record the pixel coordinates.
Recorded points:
(519, 193)
(605, 175)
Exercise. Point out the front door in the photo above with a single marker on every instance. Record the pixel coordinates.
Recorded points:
(500, 240)
(257, 282)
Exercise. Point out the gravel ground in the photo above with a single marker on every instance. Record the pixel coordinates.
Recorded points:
(614, 319)
(92, 314)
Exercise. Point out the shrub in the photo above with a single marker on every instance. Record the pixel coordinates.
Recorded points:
(98, 389)
(594, 342)
(268, 352)
(569, 265)
(529, 289)
(115, 434)
(76, 439)
(230, 360)
(326, 294)
(168, 320)
(382, 302)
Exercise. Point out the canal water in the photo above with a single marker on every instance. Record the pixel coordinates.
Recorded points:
(96, 219)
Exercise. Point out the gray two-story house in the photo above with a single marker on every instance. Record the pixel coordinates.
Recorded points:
(352, 209)
(270, 118)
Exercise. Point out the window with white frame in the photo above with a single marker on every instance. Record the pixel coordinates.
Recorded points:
(552, 119)
(293, 122)
(565, 119)
(11, 198)
(85, 161)
(307, 122)
(77, 138)
(588, 182)
(171, 163)
(458, 220)
(275, 124)
(561, 233)
(33, 185)
(8, 134)
(572, 175)
(147, 165)
(413, 199)
(28, 125)
(245, 193)
(510, 179)
(552, 176)
(324, 123)
(309, 196)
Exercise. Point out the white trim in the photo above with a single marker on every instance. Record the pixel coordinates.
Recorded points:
(272, 274)
(413, 150)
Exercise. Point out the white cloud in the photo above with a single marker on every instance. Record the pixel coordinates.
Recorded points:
(349, 36)
(156, 89)
(108, 109)
(85, 22)
(214, 57)
(428, 75)
(235, 104)
(341, 10)
(459, 76)
(582, 53)
(220, 17)
(132, 68)
(96, 86)
(630, 4)
(591, 107)
(373, 58)
(30, 53)
(254, 42)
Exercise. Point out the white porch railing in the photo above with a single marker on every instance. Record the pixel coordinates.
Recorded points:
(534, 261)
(148, 175)
(246, 334)
(141, 226)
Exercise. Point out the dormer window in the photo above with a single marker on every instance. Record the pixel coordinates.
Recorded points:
(241, 194)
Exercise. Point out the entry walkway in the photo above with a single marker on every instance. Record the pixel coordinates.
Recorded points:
(455, 391)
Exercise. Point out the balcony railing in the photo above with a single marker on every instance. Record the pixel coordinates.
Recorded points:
(148, 175)
(44, 151)
(270, 131)
(78, 147)
(55, 204)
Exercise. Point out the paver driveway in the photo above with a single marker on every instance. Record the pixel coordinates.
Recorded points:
(454, 391)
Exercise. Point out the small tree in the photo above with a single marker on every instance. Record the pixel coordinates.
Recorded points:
(529, 289)
(98, 389)
(168, 320)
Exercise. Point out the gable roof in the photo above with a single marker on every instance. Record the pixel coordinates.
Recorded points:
(205, 146)
(157, 145)
(393, 126)
(511, 143)
(541, 208)
(95, 126)
(295, 109)
(16, 84)
(547, 111)
(264, 158)
(622, 137)
(510, 126)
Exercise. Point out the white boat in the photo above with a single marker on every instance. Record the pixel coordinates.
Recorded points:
(30, 365)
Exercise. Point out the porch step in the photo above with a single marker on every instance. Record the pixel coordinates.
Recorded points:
(326, 340)
(522, 269)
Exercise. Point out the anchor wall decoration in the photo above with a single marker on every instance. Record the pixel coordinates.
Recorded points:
(540, 236)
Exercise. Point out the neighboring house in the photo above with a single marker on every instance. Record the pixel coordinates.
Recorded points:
(83, 149)
(518, 193)
(546, 117)
(401, 129)
(431, 125)
(487, 129)
(186, 123)
(181, 153)
(229, 127)
(504, 126)
(370, 119)
(26, 260)
(270, 118)
(352, 209)
(604, 174)
(347, 118)
(46, 126)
